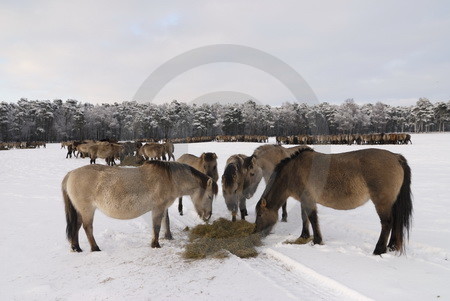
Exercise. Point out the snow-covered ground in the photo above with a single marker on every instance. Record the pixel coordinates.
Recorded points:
(36, 261)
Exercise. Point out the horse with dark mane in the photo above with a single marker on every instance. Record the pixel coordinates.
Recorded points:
(262, 163)
(342, 181)
(235, 188)
(126, 193)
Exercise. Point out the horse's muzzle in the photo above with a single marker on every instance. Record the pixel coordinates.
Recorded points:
(206, 216)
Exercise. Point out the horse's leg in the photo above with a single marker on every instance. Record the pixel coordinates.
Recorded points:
(392, 245)
(168, 234)
(243, 207)
(305, 221)
(88, 219)
(309, 209)
(180, 205)
(284, 213)
(74, 243)
(386, 227)
(157, 216)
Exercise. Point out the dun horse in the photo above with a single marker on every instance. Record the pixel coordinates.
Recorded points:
(342, 181)
(126, 193)
(263, 162)
(206, 163)
(169, 149)
(152, 151)
(234, 185)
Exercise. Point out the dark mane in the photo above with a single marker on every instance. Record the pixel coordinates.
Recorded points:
(175, 166)
(210, 156)
(293, 156)
(229, 173)
(248, 162)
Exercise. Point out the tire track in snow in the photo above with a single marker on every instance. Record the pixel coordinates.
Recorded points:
(297, 280)
(291, 277)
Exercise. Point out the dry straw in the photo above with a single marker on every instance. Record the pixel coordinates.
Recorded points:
(222, 237)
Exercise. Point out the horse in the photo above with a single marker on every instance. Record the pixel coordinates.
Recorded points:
(83, 149)
(152, 151)
(169, 149)
(263, 162)
(342, 181)
(127, 193)
(105, 150)
(234, 185)
(206, 163)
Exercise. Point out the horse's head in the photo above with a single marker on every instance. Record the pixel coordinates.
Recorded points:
(203, 199)
(209, 161)
(231, 189)
(265, 218)
(252, 176)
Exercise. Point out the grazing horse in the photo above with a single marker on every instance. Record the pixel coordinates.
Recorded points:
(126, 193)
(234, 185)
(206, 163)
(342, 181)
(263, 161)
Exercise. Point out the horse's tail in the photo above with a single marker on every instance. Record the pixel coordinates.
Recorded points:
(402, 209)
(71, 213)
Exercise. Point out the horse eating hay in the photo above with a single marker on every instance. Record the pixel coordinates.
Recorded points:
(342, 181)
(126, 193)
(206, 163)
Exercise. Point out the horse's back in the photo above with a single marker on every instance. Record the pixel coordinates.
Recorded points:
(348, 180)
(236, 159)
(190, 160)
(122, 193)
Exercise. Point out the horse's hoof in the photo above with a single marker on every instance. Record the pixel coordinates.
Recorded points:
(284, 219)
(95, 249)
(155, 244)
(76, 249)
(317, 242)
(379, 252)
(168, 236)
(181, 212)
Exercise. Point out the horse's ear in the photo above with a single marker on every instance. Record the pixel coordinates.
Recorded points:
(215, 156)
(203, 155)
(254, 161)
(263, 203)
(210, 182)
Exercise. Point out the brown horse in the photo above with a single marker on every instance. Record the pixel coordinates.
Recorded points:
(126, 193)
(263, 162)
(206, 163)
(342, 181)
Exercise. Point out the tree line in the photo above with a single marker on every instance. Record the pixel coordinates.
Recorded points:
(57, 120)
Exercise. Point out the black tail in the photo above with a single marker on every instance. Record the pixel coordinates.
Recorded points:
(71, 214)
(402, 210)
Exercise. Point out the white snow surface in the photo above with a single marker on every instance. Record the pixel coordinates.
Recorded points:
(37, 264)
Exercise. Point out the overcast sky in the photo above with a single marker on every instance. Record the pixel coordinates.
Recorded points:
(102, 51)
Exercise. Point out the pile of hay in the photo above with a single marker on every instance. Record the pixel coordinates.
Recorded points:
(299, 241)
(132, 161)
(222, 237)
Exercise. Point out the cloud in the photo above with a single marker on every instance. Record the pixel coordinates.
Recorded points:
(102, 51)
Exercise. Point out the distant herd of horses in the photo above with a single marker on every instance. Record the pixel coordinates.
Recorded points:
(368, 139)
(22, 145)
(341, 181)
